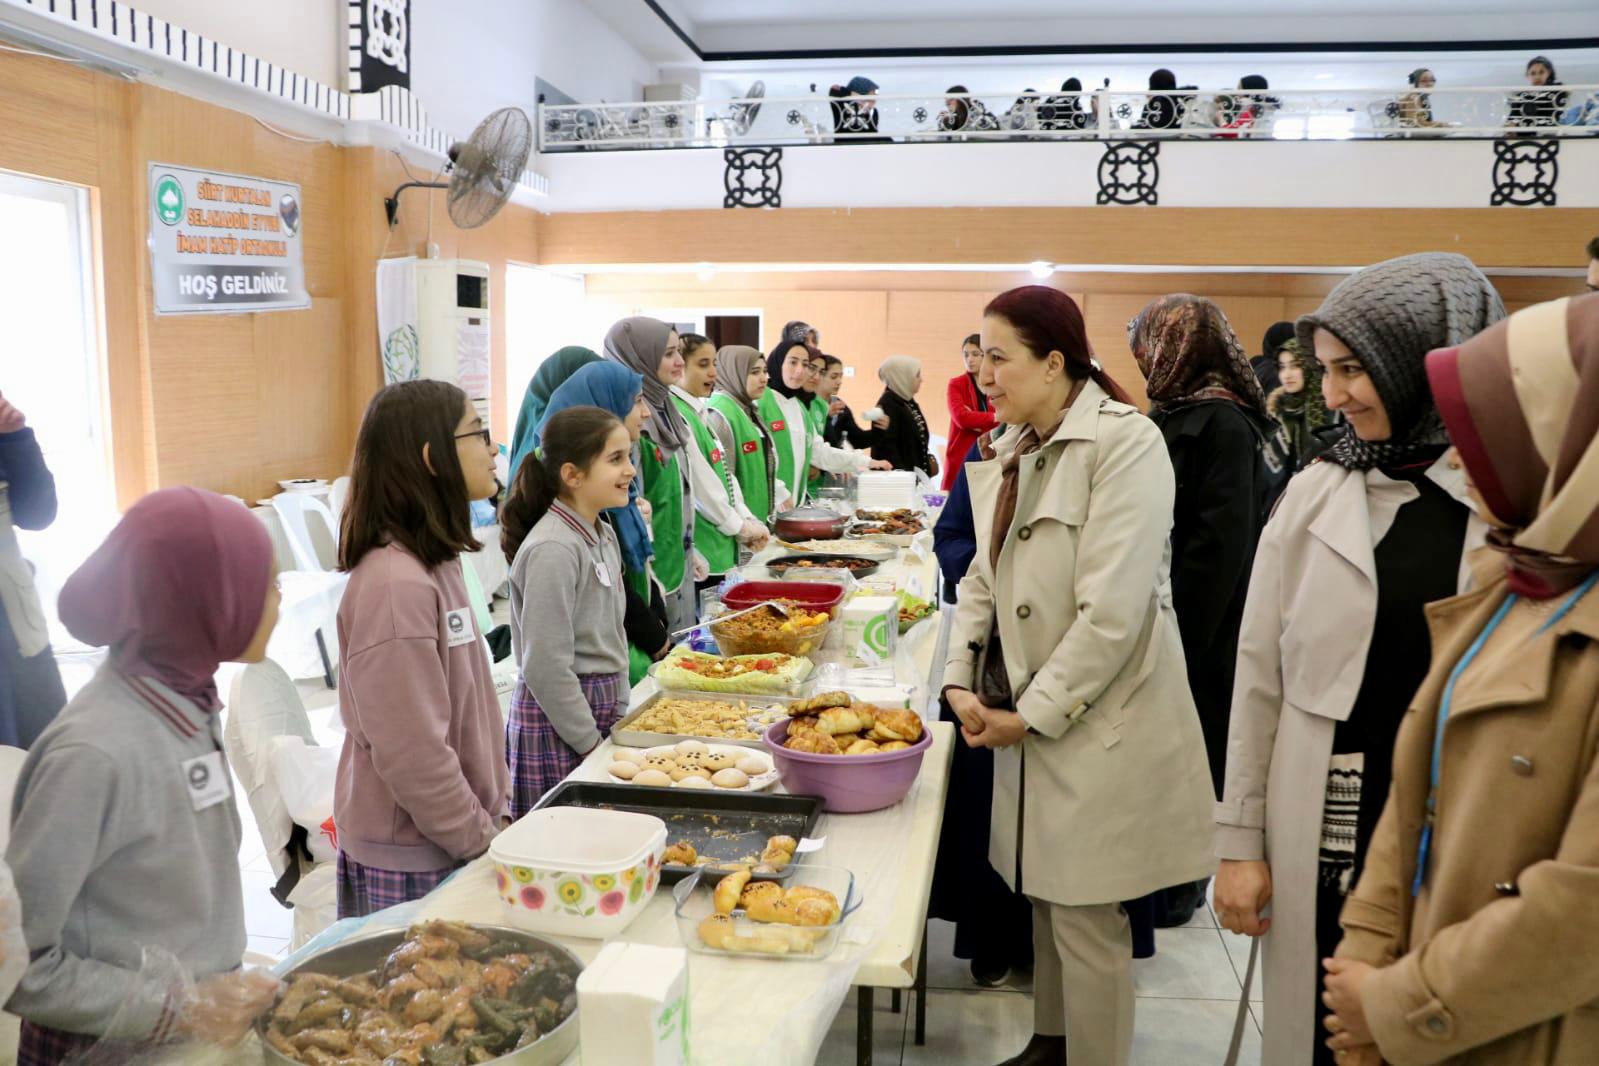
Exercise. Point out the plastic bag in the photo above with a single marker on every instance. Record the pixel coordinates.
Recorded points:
(305, 776)
(213, 1015)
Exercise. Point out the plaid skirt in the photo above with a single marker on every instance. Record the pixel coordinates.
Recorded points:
(39, 1046)
(538, 756)
(365, 889)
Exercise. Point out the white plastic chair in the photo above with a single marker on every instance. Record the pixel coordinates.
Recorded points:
(265, 713)
(305, 640)
(11, 760)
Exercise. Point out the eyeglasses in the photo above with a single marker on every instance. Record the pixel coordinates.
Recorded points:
(488, 439)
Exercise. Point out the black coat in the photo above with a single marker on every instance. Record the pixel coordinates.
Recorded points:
(1222, 488)
(843, 427)
(904, 442)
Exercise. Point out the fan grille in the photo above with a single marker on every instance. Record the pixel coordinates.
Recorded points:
(487, 167)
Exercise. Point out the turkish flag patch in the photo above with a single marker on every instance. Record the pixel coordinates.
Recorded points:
(750, 446)
(716, 455)
(777, 427)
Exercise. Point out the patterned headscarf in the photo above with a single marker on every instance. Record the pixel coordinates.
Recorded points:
(1308, 401)
(1390, 316)
(794, 332)
(1188, 351)
(638, 344)
(1521, 401)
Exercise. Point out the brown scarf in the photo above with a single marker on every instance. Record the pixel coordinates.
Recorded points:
(993, 687)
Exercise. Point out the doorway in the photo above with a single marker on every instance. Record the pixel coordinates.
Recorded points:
(734, 329)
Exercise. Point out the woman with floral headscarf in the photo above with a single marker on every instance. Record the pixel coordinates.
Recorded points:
(1298, 405)
(1334, 641)
(1472, 937)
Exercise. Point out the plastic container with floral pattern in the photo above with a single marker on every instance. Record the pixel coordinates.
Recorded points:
(576, 871)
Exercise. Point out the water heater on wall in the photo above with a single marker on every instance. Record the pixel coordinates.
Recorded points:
(452, 325)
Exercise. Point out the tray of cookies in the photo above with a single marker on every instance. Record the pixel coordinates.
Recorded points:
(741, 913)
(709, 828)
(670, 717)
(693, 764)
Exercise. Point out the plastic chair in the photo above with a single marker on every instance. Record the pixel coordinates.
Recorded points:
(264, 712)
(311, 592)
(11, 760)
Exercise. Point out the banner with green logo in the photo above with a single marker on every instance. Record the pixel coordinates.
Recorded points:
(224, 242)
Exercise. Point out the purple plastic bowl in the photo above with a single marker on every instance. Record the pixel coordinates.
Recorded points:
(847, 784)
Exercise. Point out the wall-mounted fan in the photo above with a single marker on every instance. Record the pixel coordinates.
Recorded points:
(483, 169)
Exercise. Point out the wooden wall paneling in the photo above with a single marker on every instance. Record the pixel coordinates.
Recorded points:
(49, 112)
(206, 376)
(931, 326)
(300, 384)
(1334, 237)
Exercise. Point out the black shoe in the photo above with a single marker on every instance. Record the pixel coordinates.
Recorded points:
(1175, 906)
(987, 973)
(1041, 1051)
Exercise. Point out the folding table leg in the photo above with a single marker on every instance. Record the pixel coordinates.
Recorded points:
(921, 992)
(327, 664)
(893, 1003)
(863, 1026)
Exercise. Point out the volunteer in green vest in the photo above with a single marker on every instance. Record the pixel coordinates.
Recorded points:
(784, 407)
(721, 521)
(733, 413)
(651, 348)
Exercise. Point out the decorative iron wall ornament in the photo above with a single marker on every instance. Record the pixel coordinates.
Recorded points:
(1525, 173)
(380, 44)
(1129, 173)
(754, 177)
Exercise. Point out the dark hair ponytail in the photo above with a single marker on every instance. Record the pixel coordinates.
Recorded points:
(975, 338)
(1047, 320)
(576, 435)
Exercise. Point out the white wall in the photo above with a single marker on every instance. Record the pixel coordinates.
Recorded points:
(470, 58)
(305, 36)
(1418, 174)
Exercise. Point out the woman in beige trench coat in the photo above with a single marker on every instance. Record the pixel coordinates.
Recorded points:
(1065, 658)
(1334, 640)
(1473, 936)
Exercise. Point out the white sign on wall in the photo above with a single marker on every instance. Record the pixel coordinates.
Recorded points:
(224, 242)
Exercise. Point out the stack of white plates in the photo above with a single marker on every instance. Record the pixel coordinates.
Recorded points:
(886, 490)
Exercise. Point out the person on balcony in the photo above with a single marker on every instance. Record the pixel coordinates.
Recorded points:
(1542, 106)
(1415, 107)
(961, 114)
(1065, 112)
(1242, 113)
(1163, 112)
(855, 111)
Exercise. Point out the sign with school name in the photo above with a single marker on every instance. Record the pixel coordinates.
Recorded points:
(224, 242)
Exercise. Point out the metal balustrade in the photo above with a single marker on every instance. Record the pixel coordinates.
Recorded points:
(1106, 114)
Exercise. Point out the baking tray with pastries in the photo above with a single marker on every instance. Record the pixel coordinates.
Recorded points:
(835, 723)
(739, 912)
(672, 717)
(709, 828)
(693, 764)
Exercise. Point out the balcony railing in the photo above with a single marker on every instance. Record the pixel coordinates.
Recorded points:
(1276, 114)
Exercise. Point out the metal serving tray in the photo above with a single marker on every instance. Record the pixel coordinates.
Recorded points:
(622, 732)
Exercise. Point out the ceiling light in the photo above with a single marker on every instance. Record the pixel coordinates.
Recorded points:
(1040, 269)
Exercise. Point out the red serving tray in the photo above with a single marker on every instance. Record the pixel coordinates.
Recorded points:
(821, 595)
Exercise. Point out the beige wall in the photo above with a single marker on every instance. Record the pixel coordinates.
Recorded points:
(864, 317)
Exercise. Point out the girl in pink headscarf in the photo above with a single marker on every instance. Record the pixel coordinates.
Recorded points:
(125, 836)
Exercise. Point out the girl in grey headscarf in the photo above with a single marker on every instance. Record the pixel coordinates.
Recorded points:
(733, 415)
(650, 347)
(1334, 639)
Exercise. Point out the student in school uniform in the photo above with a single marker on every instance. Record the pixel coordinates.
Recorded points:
(652, 349)
(722, 522)
(785, 408)
(124, 833)
(734, 415)
(566, 588)
(422, 785)
(619, 390)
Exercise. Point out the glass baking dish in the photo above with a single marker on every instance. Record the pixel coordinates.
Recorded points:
(694, 902)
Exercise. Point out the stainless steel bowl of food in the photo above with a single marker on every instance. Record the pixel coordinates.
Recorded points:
(437, 994)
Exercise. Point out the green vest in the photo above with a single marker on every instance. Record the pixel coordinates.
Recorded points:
(638, 660)
(777, 424)
(749, 462)
(817, 413)
(663, 487)
(719, 549)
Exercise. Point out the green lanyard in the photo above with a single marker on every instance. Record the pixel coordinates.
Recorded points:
(1423, 849)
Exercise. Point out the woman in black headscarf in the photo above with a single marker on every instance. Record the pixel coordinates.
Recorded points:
(1541, 107)
(1066, 111)
(1161, 112)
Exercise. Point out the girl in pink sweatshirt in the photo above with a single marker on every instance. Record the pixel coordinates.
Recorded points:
(422, 785)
